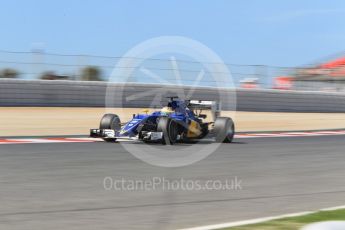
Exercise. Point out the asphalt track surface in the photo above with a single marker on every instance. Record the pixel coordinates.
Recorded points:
(60, 185)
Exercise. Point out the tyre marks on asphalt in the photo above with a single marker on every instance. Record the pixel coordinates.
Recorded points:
(291, 134)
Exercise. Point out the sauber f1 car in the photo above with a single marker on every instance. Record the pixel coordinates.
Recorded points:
(179, 121)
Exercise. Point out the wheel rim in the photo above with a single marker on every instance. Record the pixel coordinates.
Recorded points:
(231, 131)
(115, 124)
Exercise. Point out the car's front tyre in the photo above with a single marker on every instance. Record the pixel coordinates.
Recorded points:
(110, 121)
(169, 128)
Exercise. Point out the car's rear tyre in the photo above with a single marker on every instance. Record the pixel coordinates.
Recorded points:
(110, 121)
(224, 129)
(169, 128)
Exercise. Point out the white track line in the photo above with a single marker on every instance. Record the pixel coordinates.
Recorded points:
(333, 208)
(39, 140)
(248, 135)
(260, 220)
(44, 140)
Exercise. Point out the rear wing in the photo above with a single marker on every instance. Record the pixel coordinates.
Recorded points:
(214, 106)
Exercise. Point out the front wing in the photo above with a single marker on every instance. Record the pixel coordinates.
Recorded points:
(112, 134)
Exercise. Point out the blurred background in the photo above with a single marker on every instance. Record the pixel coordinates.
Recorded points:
(327, 74)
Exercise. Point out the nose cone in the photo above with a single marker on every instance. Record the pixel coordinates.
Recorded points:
(130, 126)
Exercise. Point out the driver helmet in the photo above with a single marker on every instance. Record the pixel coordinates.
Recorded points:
(166, 110)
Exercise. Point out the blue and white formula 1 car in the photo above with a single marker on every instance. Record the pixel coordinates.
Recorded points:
(179, 121)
